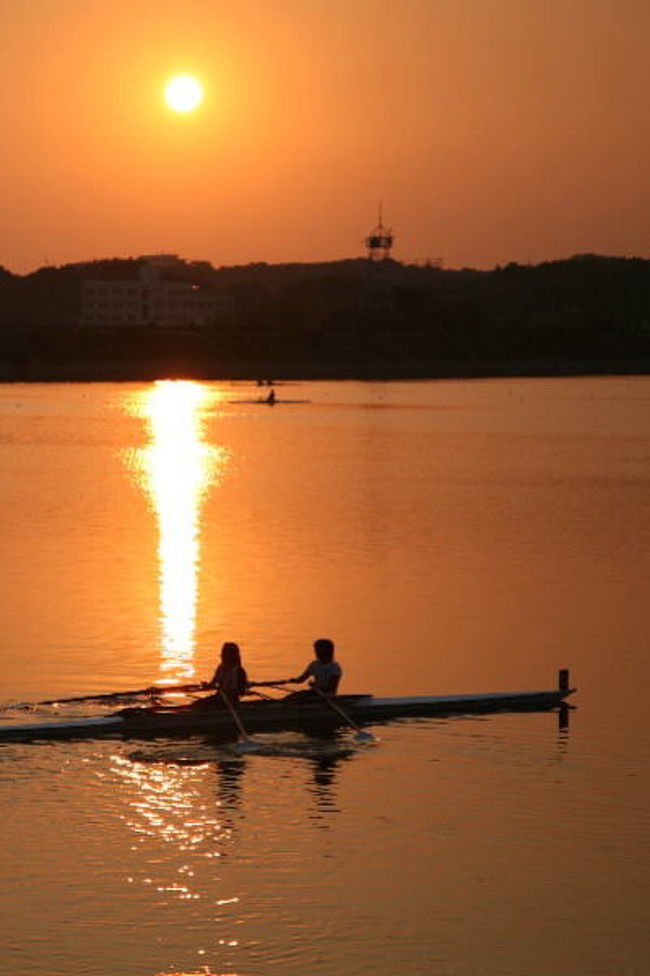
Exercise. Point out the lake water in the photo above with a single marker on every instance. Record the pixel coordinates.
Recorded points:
(450, 537)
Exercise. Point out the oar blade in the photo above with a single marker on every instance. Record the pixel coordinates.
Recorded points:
(362, 736)
(247, 746)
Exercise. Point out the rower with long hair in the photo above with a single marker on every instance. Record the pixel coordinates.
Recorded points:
(230, 678)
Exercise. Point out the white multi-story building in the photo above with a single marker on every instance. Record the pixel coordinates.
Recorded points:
(152, 299)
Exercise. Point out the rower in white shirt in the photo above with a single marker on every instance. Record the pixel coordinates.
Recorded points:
(324, 671)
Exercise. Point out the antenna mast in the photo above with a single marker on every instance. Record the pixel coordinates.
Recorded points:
(380, 241)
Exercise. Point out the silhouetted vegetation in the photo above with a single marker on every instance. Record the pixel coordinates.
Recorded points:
(345, 318)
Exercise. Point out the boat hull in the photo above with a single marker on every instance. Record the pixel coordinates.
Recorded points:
(211, 718)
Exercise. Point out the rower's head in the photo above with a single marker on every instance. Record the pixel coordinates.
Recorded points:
(230, 653)
(324, 649)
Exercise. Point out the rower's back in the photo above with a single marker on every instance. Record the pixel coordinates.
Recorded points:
(230, 678)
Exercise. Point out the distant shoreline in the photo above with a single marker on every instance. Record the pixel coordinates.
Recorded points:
(337, 320)
(372, 371)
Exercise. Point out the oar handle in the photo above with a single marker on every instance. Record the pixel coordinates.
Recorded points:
(270, 684)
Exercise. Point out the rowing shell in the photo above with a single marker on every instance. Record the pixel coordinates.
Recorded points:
(211, 718)
(269, 403)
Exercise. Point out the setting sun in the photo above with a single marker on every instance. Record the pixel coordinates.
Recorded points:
(183, 93)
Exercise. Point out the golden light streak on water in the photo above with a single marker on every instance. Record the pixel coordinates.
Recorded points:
(166, 805)
(176, 469)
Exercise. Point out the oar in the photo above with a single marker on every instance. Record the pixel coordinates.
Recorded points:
(362, 736)
(269, 684)
(246, 743)
(260, 694)
(152, 691)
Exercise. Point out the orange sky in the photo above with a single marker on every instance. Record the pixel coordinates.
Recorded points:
(493, 130)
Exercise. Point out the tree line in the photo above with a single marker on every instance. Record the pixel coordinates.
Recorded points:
(344, 318)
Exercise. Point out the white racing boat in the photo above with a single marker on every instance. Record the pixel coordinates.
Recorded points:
(300, 712)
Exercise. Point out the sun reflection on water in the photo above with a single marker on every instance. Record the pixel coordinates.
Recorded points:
(167, 808)
(176, 469)
(181, 830)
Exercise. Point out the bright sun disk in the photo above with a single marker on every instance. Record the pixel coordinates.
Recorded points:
(183, 93)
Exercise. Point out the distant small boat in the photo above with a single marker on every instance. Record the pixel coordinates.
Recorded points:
(265, 402)
(270, 715)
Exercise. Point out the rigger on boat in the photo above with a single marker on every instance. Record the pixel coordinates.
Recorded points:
(309, 713)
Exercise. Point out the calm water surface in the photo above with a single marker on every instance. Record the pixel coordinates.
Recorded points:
(451, 537)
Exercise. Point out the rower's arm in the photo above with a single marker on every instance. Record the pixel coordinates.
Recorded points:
(301, 677)
(285, 681)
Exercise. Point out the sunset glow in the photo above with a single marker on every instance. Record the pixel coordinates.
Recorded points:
(493, 133)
